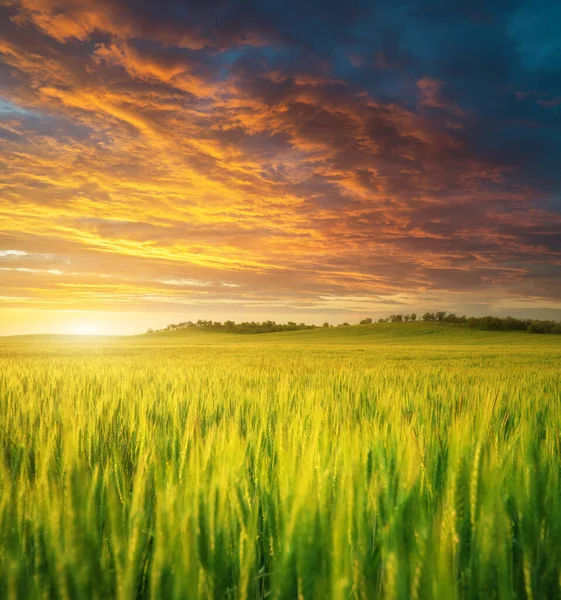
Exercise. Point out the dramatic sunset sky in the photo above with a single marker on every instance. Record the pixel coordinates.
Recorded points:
(301, 160)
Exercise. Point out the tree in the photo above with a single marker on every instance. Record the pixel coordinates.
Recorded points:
(428, 316)
(413, 316)
(365, 321)
(542, 327)
(326, 324)
(149, 330)
(537, 327)
(516, 324)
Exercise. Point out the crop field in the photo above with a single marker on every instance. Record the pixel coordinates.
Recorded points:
(387, 461)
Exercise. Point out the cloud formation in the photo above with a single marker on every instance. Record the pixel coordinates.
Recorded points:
(302, 155)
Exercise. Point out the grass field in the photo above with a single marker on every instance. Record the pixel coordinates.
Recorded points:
(383, 461)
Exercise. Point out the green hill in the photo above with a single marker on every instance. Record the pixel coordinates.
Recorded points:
(398, 334)
(379, 333)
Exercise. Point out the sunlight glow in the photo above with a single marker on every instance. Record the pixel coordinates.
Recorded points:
(86, 329)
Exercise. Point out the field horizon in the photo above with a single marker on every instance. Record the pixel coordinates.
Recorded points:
(416, 333)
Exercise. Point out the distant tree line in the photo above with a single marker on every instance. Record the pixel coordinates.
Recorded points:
(484, 323)
(488, 323)
(233, 327)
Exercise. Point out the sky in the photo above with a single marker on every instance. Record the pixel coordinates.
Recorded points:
(303, 160)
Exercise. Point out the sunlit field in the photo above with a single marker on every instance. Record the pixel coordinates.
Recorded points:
(363, 462)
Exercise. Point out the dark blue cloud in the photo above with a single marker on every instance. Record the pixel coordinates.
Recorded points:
(499, 63)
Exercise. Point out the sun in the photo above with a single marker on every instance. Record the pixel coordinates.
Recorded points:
(86, 329)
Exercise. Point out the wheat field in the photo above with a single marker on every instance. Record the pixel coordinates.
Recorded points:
(280, 470)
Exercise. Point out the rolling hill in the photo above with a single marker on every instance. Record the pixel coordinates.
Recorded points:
(417, 334)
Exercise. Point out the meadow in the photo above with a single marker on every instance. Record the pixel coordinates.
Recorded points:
(386, 461)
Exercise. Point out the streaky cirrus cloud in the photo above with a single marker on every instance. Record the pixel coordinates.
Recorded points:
(315, 157)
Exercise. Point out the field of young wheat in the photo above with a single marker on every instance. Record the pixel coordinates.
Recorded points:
(277, 471)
